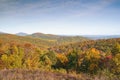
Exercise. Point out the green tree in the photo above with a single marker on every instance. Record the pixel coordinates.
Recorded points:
(116, 49)
(52, 56)
(73, 59)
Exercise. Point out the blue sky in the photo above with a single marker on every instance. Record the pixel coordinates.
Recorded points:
(70, 17)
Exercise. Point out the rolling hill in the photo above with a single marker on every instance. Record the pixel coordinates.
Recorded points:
(58, 38)
(41, 40)
(24, 39)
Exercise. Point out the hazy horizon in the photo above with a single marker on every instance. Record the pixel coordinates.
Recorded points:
(61, 17)
(87, 35)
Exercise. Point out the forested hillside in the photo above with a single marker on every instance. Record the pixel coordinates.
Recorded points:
(42, 40)
(103, 45)
(99, 59)
(23, 39)
(59, 39)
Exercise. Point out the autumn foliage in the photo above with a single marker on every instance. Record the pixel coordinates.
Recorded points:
(89, 57)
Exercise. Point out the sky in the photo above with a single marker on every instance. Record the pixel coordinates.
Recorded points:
(68, 17)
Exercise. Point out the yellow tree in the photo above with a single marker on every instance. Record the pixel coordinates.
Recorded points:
(14, 59)
(91, 61)
(62, 61)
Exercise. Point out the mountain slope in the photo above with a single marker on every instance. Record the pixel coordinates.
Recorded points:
(58, 38)
(23, 39)
(44, 36)
(40, 39)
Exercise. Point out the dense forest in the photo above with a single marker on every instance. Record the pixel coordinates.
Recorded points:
(58, 58)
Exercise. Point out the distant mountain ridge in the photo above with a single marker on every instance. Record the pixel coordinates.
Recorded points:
(60, 39)
(95, 37)
(25, 39)
(22, 34)
(64, 37)
(2, 32)
(44, 36)
(54, 37)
